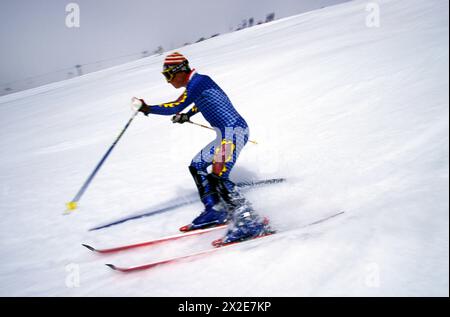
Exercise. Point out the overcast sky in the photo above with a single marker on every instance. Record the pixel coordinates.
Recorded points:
(35, 39)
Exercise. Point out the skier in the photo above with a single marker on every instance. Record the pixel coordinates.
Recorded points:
(220, 196)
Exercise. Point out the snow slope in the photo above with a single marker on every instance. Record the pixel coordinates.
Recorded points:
(355, 117)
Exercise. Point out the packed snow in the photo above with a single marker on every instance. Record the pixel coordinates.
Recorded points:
(352, 110)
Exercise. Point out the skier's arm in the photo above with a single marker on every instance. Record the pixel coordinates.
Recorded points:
(193, 111)
(170, 108)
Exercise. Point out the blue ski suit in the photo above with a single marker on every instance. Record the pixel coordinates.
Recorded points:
(232, 130)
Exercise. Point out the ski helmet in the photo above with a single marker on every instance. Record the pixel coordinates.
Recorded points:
(175, 63)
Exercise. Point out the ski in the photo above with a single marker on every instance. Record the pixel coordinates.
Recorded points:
(180, 258)
(155, 241)
(217, 245)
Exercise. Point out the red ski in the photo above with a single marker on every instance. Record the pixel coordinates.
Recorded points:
(156, 241)
(218, 245)
(181, 258)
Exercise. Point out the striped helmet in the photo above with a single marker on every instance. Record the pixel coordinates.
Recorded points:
(173, 64)
(174, 59)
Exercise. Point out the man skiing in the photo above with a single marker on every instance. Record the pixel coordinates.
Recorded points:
(220, 196)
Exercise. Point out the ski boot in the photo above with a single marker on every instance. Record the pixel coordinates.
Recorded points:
(246, 223)
(210, 217)
(215, 212)
(246, 226)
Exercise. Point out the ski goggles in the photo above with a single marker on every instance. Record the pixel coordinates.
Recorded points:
(169, 73)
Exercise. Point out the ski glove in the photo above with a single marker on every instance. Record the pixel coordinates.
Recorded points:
(180, 118)
(140, 105)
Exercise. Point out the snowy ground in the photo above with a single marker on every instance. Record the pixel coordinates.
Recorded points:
(355, 117)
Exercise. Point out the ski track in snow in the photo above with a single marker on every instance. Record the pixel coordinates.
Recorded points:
(355, 118)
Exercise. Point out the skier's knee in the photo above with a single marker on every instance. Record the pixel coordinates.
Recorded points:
(218, 168)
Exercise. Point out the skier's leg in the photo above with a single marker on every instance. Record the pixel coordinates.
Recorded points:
(225, 157)
(214, 212)
(207, 192)
(246, 222)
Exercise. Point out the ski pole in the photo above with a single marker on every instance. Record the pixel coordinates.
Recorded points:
(73, 204)
(206, 127)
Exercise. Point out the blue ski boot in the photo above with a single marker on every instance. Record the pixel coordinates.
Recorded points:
(247, 225)
(210, 217)
(215, 212)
